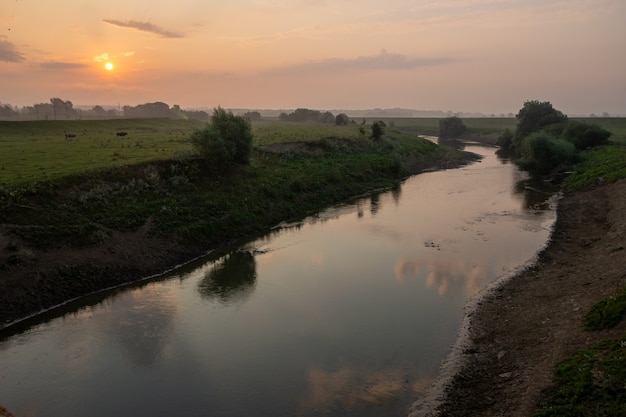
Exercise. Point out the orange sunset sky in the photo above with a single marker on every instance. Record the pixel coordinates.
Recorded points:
(469, 56)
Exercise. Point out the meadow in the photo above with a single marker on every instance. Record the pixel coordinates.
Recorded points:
(35, 151)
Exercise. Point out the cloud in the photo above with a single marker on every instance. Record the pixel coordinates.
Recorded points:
(9, 53)
(102, 57)
(54, 65)
(384, 60)
(144, 27)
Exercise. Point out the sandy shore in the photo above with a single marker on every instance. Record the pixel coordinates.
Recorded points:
(523, 327)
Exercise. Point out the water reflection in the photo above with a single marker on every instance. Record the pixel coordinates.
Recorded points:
(355, 390)
(232, 279)
(144, 325)
(447, 277)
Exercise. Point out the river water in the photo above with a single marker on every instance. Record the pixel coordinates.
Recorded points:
(347, 313)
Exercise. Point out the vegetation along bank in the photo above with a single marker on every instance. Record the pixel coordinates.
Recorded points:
(95, 210)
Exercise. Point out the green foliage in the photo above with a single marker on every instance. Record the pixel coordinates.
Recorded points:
(451, 127)
(590, 383)
(599, 165)
(226, 140)
(542, 154)
(505, 140)
(212, 148)
(378, 129)
(584, 135)
(535, 116)
(253, 116)
(304, 115)
(236, 130)
(607, 313)
(342, 119)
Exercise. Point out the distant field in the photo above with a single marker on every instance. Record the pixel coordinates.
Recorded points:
(39, 150)
(33, 151)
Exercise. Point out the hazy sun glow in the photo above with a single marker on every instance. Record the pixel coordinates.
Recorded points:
(484, 56)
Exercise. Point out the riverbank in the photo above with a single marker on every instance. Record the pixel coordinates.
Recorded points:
(99, 231)
(521, 329)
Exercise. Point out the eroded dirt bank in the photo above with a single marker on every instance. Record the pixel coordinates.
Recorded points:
(521, 329)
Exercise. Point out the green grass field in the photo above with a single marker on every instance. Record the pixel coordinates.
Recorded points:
(34, 151)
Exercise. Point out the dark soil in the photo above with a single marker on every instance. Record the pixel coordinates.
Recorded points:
(521, 329)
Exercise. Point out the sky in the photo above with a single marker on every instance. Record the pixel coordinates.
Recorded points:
(486, 56)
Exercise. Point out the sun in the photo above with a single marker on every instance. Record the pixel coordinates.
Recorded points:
(108, 66)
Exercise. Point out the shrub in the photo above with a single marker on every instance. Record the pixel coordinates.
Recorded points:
(584, 135)
(236, 130)
(505, 140)
(542, 154)
(451, 127)
(378, 128)
(211, 147)
(226, 140)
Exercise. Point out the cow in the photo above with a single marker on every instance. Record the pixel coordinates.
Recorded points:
(69, 136)
(121, 134)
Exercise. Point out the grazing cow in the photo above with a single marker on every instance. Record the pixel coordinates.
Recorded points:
(69, 135)
(121, 134)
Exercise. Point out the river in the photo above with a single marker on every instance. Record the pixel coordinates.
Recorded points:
(347, 313)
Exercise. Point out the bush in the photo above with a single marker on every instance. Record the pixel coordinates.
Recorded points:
(226, 140)
(542, 154)
(451, 127)
(211, 147)
(236, 130)
(584, 135)
(342, 119)
(378, 128)
(505, 140)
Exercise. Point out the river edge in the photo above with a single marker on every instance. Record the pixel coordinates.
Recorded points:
(125, 258)
(516, 331)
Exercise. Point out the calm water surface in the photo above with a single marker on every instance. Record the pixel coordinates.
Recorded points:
(348, 313)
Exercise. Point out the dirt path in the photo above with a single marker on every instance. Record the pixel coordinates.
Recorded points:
(521, 329)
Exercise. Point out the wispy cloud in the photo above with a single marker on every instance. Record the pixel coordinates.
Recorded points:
(144, 27)
(55, 65)
(384, 60)
(102, 57)
(9, 53)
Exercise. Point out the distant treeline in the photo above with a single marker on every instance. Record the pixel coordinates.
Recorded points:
(59, 109)
(305, 115)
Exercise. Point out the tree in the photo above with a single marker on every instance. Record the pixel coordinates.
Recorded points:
(542, 154)
(378, 129)
(451, 127)
(235, 129)
(216, 152)
(252, 116)
(505, 140)
(535, 116)
(99, 111)
(226, 140)
(342, 119)
(62, 108)
(585, 135)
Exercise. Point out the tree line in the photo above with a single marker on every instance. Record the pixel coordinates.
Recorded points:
(544, 141)
(59, 109)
